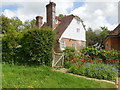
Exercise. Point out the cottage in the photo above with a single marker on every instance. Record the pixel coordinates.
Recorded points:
(70, 29)
(113, 39)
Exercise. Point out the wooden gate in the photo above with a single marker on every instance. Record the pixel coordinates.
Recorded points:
(58, 59)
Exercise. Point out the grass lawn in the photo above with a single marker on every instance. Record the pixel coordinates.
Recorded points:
(14, 76)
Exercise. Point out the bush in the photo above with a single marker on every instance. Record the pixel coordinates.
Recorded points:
(33, 46)
(112, 54)
(37, 46)
(92, 52)
(69, 53)
(100, 71)
(9, 47)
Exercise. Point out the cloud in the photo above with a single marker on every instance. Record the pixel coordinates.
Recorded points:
(97, 14)
(94, 14)
(31, 9)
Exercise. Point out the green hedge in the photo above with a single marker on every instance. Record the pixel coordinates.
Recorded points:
(37, 46)
(100, 71)
(9, 47)
(34, 46)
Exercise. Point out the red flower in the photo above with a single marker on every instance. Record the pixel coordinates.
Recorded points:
(106, 62)
(74, 61)
(116, 60)
(112, 61)
(100, 61)
(90, 62)
(83, 60)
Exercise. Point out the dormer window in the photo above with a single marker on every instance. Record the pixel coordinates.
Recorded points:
(78, 29)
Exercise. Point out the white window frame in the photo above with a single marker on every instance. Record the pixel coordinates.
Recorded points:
(63, 44)
(78, 29)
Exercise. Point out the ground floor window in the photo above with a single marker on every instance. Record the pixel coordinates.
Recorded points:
(74, 45)
(63, 44)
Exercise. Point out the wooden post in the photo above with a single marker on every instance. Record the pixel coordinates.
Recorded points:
(53, 59)
(63, 60)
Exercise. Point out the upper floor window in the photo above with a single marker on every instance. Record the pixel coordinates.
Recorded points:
(78, 29)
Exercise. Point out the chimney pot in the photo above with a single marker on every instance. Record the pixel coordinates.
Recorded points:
(39, 21)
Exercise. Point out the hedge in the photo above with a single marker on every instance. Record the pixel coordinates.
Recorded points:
(33, 47)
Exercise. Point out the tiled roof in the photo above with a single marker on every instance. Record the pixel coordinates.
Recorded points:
(116, 31)
(58, 18)
(65, 21)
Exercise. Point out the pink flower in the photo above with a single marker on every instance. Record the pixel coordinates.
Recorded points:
(90, 62)
(83, 60)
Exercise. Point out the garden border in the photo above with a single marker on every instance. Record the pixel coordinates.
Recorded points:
(63, 70)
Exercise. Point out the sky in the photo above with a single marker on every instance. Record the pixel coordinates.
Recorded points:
(94, 13)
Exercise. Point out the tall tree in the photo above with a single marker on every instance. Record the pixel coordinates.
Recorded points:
(91, 37)
(29, 24)
(96, 37)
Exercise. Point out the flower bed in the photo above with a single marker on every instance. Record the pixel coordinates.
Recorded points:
(100, 71)
(94, 63)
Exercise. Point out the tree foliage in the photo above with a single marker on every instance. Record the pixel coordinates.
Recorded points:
(96, 37)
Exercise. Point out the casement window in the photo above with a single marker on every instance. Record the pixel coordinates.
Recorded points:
(78, 29)
(63, 44)
(74, 45)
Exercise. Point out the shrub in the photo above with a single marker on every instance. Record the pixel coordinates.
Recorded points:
(9, 47)
(92, 52)
(69, 53)
(100, 71)
(112, 54)
(37, 46)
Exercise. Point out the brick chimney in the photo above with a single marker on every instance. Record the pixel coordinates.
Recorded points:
(39, 21)
(51, 14)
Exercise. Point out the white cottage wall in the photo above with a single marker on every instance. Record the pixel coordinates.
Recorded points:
(72, 33)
